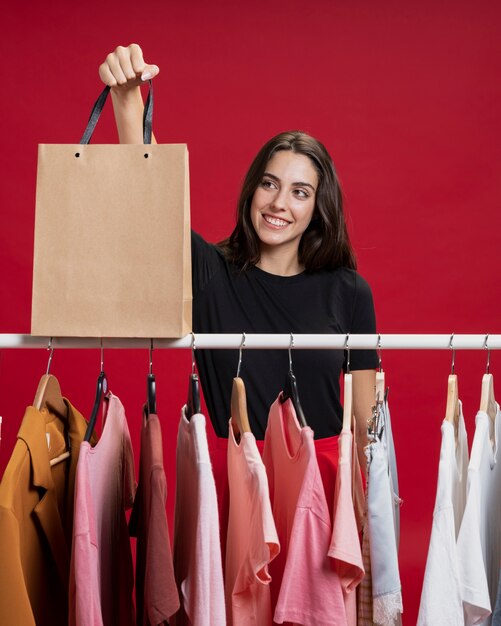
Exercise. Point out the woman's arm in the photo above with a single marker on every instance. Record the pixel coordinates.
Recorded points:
(124, 70)
(364, 398)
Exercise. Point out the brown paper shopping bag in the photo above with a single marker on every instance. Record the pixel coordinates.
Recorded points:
(112, 240)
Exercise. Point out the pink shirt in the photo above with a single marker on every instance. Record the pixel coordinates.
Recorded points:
(252, 540)
(156, 591)
(101, 574)
(197, 549)
(305, 583)
(345, 543)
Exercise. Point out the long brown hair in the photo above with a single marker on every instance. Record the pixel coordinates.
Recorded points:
(325, 244)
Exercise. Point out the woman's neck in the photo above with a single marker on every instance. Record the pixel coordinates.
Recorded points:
(279, 262)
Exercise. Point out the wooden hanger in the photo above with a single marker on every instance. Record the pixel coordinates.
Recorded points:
(487, 400)
(48, 396)
(452, 408)
(239, 416)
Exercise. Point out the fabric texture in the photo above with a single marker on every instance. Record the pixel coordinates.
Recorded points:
(441, 601)
(157, 597)
(364, 591)
(101, 577)
(197, 550)
(252, 541)
(229, 300)
(479, 540)
(36, 519)
(496, 616)
(345, 542)
(383, 526)
(306, 588)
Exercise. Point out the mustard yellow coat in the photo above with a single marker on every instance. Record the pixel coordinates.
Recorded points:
(36, 519)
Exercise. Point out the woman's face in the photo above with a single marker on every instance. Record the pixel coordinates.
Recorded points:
(284, 201)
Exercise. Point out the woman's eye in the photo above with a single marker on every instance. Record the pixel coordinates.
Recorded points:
(301, 193)
(267, 184)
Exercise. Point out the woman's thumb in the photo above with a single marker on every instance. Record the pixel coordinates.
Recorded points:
(150, 71)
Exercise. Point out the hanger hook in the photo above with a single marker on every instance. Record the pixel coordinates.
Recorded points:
(453, 353)
(193, 348)
(51, 348)
(347, 348)
(291, 346)
(151, 356)
(102, 355)
(488, 353)
(242, 346)
(379, 351)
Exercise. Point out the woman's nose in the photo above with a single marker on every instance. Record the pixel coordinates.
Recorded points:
(278, 203)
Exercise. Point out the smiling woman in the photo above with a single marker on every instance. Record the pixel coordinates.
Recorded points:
(288, 266)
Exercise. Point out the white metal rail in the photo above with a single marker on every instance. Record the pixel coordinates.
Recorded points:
(267, 341)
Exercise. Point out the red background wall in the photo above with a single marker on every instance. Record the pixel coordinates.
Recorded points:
(407, 99)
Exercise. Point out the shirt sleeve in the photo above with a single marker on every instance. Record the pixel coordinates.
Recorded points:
(363, 321)
(205, 262)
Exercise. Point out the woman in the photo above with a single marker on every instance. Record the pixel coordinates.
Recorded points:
(287, 267)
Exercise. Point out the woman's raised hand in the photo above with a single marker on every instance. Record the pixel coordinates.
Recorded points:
(125, 68)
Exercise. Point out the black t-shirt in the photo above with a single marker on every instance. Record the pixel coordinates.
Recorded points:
(229, 300)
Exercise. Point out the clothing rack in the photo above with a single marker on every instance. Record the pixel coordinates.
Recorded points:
(267, 341)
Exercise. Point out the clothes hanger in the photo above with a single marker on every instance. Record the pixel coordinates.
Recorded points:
(193, 402)
(101, 390)
(452, 408)
(487, 400)
(291, 391)
(239, 415)
(348, 392)
(48, 395)
(381, 394)
(151, 389)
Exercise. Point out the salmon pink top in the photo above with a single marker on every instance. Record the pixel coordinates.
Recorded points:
(305, 584)
(252, 540)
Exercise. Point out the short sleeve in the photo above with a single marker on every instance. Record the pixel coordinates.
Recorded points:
(363, 321)
(205, 262)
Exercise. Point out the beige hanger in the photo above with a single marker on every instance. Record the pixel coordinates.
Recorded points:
(380, 387)
(452, 408)
(48, 395)
(487, 400)
(239, 416)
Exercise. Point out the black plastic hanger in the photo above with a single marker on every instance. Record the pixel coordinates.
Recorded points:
(193, 402)
(151, 388)
(290, 390)
(101, 390)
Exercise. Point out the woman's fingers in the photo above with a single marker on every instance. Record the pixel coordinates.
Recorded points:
(125, 67)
